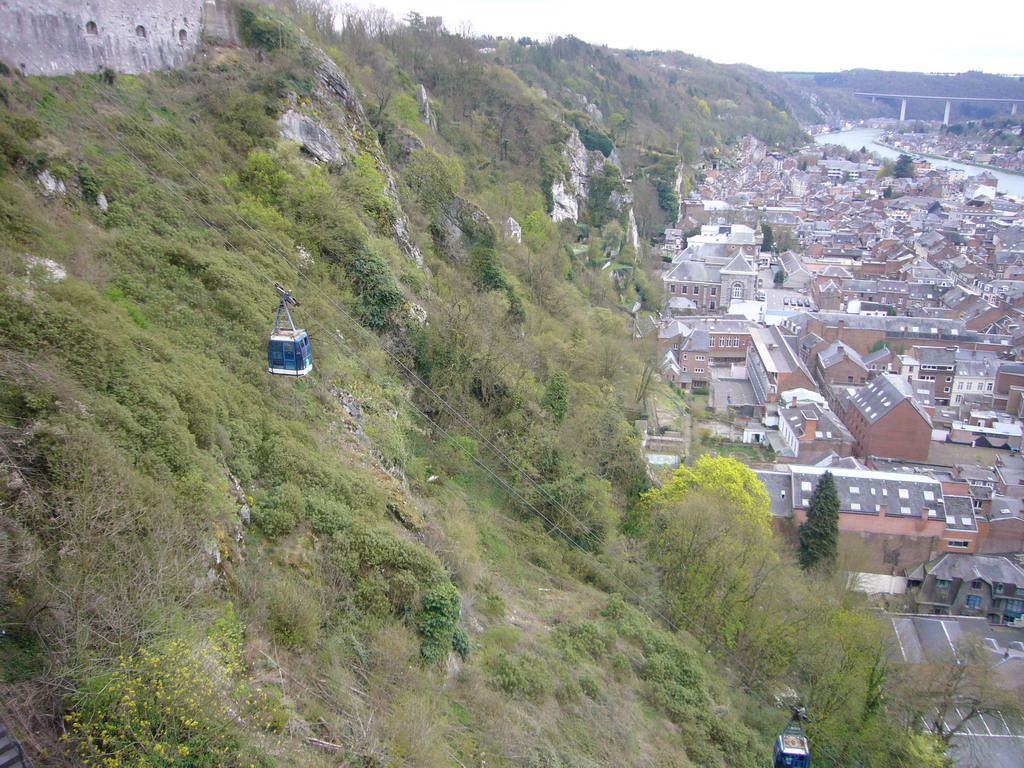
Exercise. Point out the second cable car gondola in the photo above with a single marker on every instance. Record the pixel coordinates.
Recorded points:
(288, 352)
(791, 747)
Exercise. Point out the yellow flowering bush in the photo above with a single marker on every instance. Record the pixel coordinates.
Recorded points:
(170, 706)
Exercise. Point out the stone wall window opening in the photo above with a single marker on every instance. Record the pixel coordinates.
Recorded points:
(91, 28)
(182, 36)
(140, 31)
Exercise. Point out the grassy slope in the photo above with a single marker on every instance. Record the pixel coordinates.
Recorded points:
(135, 599)
(133, 382)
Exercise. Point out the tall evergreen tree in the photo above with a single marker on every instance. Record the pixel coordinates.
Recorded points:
(904, 168)
(819, 535)
(556, 396)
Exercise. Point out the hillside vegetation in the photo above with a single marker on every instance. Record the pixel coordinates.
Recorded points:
(443, 547)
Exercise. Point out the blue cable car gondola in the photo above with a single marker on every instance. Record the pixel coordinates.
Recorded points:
(288, 351)
(791, 748)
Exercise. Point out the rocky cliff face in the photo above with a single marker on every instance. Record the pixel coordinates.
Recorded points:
(312, 134)
(455, 225)
(426, 114)
(571, 191)
(334, 137)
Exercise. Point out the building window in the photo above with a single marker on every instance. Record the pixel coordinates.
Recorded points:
(973, 601)
(90, 28)
(946, 390)
(714, 290)
(998, 589)
(698, 370)
(712, 305)
(182, 36)
(988, 387)
(698, 357)
(737, 290)
(958, 543)
(976, 584)
(959, 386)
(1014, 609)
(140, 31)
(942, 583)
(672, 287)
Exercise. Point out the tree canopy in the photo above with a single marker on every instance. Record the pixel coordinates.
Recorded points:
(724, 477)
(904, 168)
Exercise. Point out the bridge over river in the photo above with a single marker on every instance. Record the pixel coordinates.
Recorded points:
(903, 98)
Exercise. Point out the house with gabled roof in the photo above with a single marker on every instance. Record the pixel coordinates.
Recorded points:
(970, 585)
(808, 431)
(839, 363)
(773, 364)
(887, 420)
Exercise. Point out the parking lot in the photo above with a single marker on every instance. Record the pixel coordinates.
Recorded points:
(775, 298)
(990, 741)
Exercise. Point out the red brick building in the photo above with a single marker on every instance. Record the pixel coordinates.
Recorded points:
(885, 420)
(839, 363)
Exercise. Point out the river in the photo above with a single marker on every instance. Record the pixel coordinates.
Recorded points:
(1010, 183)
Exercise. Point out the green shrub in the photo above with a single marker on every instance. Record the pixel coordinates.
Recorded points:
(519, 675)
(171, 706)
(117, 296)
(260, 30)
(380, 298)
(276, 513)
(388, 573)
(593, 139)
(584, 638)
(293, 614)
(439, 624)
(326, 515)
(16, 134)
(435, 179)
(590, 687)
(89, 182)
(494, 606)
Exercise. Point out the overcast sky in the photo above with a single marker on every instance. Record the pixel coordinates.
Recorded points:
(822, 36)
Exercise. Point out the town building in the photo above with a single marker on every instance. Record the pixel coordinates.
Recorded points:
(886, 420)
(773, 365)
(970, 585)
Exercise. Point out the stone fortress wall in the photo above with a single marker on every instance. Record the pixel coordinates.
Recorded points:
(58, 37)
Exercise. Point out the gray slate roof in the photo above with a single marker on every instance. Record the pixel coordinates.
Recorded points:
(838, 351)
(993, 569)
(878, 398)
